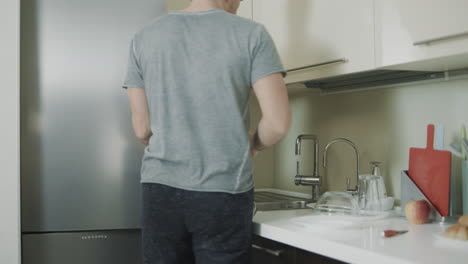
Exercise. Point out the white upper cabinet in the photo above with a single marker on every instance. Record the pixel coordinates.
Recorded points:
(421, 34)
(311, 32)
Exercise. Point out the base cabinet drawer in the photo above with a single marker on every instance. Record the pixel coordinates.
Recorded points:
(272, 252)
(306, 257)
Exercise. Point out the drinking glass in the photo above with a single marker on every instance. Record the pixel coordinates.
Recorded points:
(370, 197)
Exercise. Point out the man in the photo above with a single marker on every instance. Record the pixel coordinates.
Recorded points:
(189, 78)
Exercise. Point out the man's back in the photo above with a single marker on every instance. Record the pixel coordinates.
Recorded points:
(197, 69)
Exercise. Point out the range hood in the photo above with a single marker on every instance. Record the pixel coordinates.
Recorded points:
(378, 79)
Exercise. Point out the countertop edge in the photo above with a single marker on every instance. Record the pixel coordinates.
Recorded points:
(323, 246)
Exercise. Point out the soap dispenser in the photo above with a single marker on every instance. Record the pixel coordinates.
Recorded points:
(381, 184)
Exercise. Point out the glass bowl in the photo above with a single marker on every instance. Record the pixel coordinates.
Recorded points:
(337, 203)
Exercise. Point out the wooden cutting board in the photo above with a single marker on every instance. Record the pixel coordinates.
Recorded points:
(430, 171)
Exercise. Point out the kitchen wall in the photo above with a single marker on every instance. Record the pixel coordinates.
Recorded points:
(9, 133)
(383, 123)
(264, 163)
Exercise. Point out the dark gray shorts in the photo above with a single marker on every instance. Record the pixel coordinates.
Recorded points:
(180, 226)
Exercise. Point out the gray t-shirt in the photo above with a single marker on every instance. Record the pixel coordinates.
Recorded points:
(197, 70)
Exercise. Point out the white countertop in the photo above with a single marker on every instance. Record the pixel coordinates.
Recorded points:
(363, 243)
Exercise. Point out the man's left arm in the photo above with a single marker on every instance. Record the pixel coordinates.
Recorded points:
(140, 114)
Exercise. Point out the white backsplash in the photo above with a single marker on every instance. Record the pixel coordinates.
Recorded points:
(383, 123)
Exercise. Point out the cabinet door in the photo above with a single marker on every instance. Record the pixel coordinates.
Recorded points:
(402, 28)
(308, 32)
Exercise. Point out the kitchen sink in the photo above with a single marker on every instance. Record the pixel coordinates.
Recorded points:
(274, 200)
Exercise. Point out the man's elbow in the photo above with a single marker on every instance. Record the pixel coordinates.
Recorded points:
(141, 134)
(141, 127)
(281, 126)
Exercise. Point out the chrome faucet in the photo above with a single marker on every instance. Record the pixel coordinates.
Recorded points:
(313, 179)
(348, 188)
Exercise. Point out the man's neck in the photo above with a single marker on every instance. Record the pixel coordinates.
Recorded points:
(203, 5)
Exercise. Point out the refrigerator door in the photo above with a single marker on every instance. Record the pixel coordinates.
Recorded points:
(80, 160)
(116, 247)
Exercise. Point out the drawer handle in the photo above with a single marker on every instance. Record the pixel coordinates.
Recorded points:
(341, 60)
(428, 41)
(276, 253)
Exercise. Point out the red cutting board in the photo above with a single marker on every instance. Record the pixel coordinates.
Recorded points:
(430, 171)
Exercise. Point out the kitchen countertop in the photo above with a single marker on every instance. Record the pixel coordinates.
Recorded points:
(362, 243)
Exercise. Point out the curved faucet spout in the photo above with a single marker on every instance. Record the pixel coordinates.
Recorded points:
(356, 189)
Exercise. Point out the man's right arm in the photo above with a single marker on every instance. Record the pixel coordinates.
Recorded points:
(272, 96)
(140, 114)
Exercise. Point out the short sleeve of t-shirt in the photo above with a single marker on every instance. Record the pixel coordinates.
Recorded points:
(265, 58)
(134, 76)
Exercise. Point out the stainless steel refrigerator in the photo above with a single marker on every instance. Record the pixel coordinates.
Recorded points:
(80, 162)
